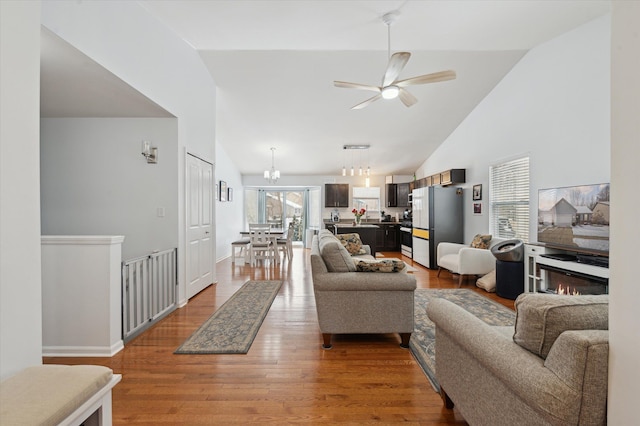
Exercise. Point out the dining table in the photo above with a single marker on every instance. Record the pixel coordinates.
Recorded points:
(274, 234)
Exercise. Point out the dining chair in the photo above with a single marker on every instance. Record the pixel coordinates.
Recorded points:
(260, 245)
(286, 244)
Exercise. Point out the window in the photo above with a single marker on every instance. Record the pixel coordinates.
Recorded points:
(281, 207)
(509, 199)
(367, 198)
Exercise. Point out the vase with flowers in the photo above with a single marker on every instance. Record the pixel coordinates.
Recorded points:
(358, 214)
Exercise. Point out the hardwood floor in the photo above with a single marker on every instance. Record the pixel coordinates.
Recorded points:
(286, 377)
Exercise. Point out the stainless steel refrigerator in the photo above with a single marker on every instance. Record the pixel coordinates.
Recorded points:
(437, 217)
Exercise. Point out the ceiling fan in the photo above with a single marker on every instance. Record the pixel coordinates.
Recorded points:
(392, 88)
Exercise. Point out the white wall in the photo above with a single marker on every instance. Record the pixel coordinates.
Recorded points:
(94, 180)
(81, 295)
(20, 276)
(126, 40)
(229, 214)
(554, 105)
(624, 320)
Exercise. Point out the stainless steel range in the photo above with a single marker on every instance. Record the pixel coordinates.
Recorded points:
(406, 239)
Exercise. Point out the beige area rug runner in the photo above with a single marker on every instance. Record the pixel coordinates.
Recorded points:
(423, 339)
(232, 328)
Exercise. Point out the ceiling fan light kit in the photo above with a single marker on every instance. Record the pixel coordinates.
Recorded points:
(390, 92)
(391, 87)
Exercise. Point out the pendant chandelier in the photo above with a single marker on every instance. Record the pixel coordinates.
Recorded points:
(367, 172)
(272, 175)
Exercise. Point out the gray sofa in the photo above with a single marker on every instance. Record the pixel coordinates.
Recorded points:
(350, 302)
(551, 369)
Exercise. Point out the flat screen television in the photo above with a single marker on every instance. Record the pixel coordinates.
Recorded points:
(575, 218)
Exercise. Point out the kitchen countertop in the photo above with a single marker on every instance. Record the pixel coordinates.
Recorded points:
(350, 225)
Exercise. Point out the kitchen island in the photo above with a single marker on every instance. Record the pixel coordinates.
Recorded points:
(366, 231)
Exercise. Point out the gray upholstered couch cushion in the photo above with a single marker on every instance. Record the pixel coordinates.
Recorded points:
(334, 254)
(540, 319)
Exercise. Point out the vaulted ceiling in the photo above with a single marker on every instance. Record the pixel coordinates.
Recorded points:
(274, 63)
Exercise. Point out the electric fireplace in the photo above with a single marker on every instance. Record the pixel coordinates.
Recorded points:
(561, 281)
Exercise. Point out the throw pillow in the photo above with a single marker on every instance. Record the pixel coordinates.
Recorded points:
(352, 243)
(488, 282)
(541, 318)
(385, 265)
(481, 241)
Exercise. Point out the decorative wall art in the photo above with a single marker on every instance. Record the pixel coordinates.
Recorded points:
(477, 192)
(223, 190)
(230, 194)
(477, 208)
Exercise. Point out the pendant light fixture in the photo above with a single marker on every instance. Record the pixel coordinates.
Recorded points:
(361, 171)
(272, 175)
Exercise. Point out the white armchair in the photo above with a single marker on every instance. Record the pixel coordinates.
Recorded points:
(461, 259)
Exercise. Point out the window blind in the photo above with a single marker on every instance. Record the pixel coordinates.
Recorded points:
(509, 199)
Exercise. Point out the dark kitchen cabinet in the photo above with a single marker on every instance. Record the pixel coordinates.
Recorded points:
(388, 238)
(336, 195)
(392, 195)
(403, 192)
(452, 176)
(398, 194)
(392, 238)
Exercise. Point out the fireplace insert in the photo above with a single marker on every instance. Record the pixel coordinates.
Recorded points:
(562, 281)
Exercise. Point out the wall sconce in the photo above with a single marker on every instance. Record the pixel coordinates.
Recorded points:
(149, 152)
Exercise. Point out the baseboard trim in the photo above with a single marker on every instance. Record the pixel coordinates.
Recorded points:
(83, 351)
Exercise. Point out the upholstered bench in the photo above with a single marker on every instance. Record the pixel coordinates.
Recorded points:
(58, 395)
(243, 247)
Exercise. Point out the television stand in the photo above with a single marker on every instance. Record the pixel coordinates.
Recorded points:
(565, 257)
(588, 259)
(537, 255)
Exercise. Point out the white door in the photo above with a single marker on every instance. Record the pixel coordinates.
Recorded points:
(199, 256)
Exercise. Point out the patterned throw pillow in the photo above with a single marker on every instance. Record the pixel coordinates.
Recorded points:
(385, 265)
(352, 243)
(481, 241)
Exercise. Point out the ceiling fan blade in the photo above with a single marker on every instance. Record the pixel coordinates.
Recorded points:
(427, 78)
(407, 98)
(347, 85)
(367, 102)
(396, 63)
